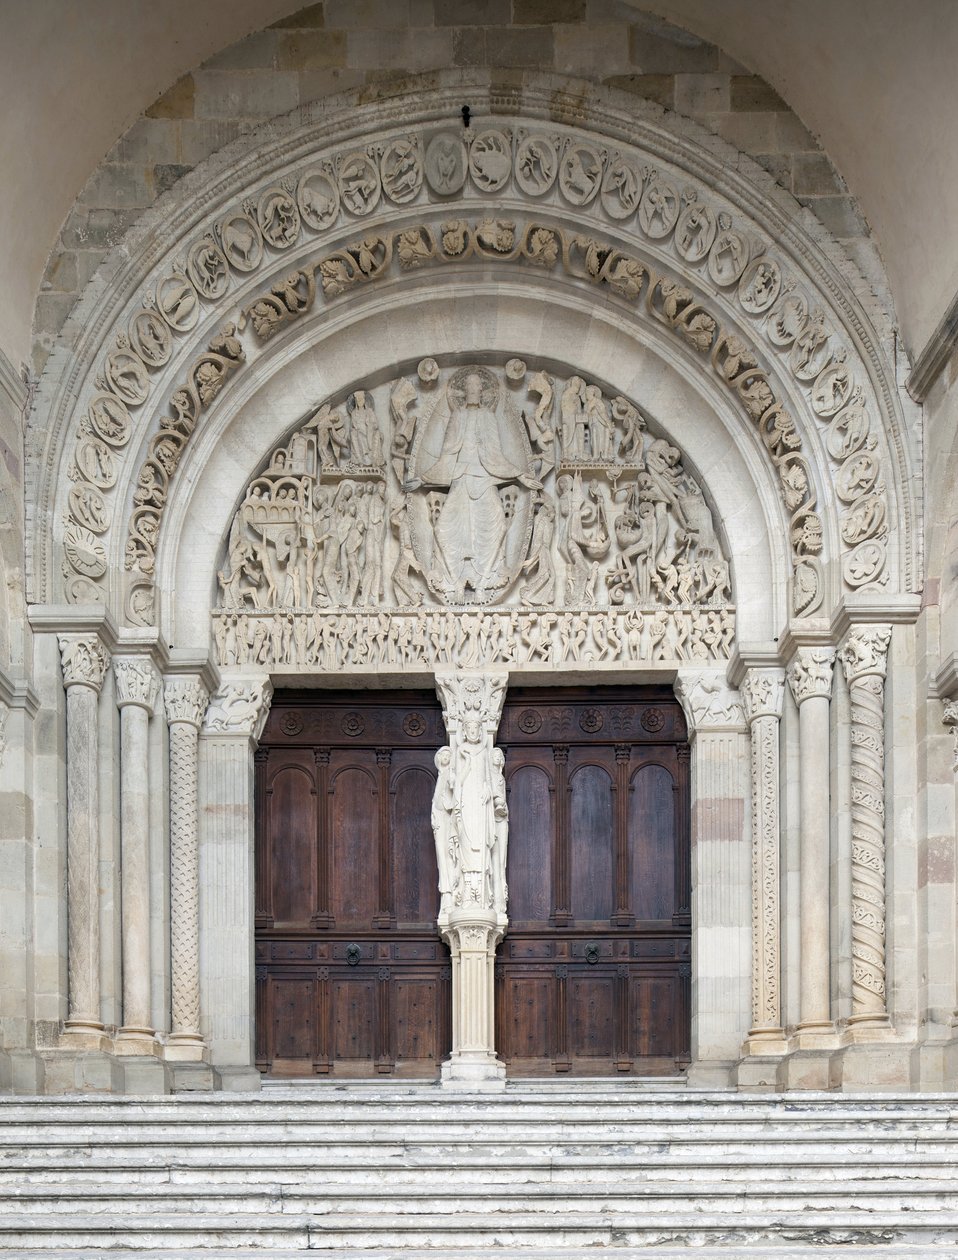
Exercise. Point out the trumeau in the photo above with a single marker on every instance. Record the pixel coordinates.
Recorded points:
(682, 260)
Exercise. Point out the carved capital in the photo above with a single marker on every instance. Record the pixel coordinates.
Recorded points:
(865, 651)
(810, 673)
(949, 717)
(763, 693)
(186, 700)
(472, 697)
(708, 701)
(84, 660)
(137, 682)
(240, 707)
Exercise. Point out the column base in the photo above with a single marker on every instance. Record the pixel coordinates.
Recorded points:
(81, 1035)
(868, 1029)
(143, 1075)
(873, 1068)
(479, 1072)
(815, 1035)
(73, 1071)
(759, 1073)
(949, 1064)
(762, 1042)
(137, 1041)
(238, 1080)
(21, 1072)
(186, 1048)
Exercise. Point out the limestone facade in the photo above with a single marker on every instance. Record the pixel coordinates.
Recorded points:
(555, 389)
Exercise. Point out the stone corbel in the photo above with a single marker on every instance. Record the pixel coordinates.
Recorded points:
(708, 702)
(240, 707)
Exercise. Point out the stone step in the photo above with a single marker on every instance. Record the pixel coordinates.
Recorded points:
(478, 1171)
(87, 1205)
(66, 1235)
(724, 1251)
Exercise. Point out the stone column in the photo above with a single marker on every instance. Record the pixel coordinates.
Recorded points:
(810, 679)
(234, 723)
(137, 685)
(721, 874)
(185, 700)
(763, 693)
(864, 659)
(85, 662)
(471, 829)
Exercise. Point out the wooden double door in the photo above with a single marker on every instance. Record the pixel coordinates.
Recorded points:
(593, 975)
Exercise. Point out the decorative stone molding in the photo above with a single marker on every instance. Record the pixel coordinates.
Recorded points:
(864, 659)
(811, 673)
(240, 707)
(763, 694)
(185, 701)
(84, 660)
(646, 204)
(708, 701)
(137, 682)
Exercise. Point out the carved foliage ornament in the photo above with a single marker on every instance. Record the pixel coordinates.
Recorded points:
(554, 164)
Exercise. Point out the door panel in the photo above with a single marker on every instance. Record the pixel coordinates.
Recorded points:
(594, 975)
(351, 975)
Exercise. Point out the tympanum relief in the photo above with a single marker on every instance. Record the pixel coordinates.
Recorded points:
(547, 515)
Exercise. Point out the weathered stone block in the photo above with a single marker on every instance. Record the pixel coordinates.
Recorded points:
(656, 52)
(256, 52)
(753, 133)
(532, 47)
(370, 15)
(591, 51)
(701, 93)
(148, 141)
(750, 92)
(400, 49)
(312, 15)
(791, 136)
(245, 93)
(814, 175)
(308, 50)
(119, 185)
(176, 102)
(472, 12)
(659, 88)
(542, 12)
(837, 214)
(165, 176)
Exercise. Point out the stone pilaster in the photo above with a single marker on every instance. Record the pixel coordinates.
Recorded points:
(471, 829)
(721, 876)
(137, 686)
(185, 700)
(864, 657)
(85, 662)
(810, 679)
(762, 696)
(234, 723)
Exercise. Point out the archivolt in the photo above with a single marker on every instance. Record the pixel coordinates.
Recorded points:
(393, 188)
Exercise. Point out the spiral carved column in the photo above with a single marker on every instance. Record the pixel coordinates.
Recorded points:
(863, 658)
(186, 700)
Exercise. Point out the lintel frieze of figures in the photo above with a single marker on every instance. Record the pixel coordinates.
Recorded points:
(647, 234)
(466, 490)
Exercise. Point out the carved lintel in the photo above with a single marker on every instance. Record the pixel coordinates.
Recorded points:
(240, 707)
(84, 659)
(137, 682)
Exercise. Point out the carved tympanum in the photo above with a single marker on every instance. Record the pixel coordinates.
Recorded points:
(466, 488)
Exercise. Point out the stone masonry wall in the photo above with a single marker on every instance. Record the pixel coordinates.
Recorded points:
(371, 44)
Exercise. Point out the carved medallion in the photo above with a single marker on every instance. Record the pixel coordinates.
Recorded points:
(529, 721)
(591, 720)
(278, 217)
(354, 724)
(490, 160)
(401, 169)
(96, 463)
(110, 419)
(318, 198)
(242, 241)
(207, 267)
(580, 173)
(414, 724)
(84, 551)
(537, 165)
(88, 506)
(658, 209)
(446, 163)
(359, 183)
(128, 376)
(177, 302)
(652, 720)
(150, 337)
(621, 189)
(760, 286)
(291, 723)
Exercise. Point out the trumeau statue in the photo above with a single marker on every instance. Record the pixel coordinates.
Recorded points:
(473, 488)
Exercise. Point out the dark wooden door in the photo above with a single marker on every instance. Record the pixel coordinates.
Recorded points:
(594, 974)
(351, 976)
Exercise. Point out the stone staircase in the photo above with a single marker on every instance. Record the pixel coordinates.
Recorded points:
(554, 1169)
